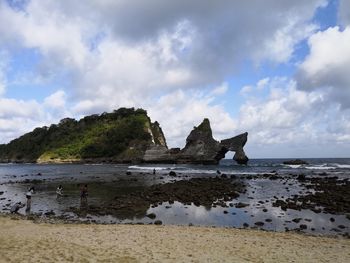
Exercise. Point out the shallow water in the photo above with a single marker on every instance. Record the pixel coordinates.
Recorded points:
(106, 181)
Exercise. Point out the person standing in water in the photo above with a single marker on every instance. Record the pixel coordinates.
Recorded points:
(59, 191)
(29, 198)
(83, 193)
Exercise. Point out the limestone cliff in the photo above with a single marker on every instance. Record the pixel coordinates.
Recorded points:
(201, 148)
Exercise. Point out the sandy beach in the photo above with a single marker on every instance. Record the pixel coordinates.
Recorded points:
(25, 241)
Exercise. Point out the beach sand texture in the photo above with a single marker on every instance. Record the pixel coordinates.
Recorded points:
(25, 241)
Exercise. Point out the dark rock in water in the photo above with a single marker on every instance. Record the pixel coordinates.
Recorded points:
(172, 173)
(225, 212)
(332, 219)
(128, 173)
(295, 162)
(158, 222)
(268, 220)
(341, 226)
(259, 223)
(245, 225)
(50, 213)
(316, 210)
(152, 215)
(241, 205)
(265, 210)
(197, 203)
(301, 177)
(303, 226)
(1, 192)
(296, 220)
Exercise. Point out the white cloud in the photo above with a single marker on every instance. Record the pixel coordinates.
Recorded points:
(299, 122)
(327, 64)
(262, 83)
(186, 43)
(2, 84)
(56, 100)
(221, 89)
(18, 117)
(245, 90)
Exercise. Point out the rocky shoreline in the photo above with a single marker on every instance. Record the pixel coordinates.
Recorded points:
(294, 205)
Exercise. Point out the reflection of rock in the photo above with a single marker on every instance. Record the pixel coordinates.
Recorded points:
(200, 148)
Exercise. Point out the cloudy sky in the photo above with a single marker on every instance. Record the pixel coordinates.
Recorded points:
(278, 69)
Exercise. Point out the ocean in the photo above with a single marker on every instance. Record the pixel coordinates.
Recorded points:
(107, 180)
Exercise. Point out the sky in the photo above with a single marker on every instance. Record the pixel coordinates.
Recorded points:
(278, 69)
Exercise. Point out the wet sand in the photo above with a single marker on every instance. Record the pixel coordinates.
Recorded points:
(25, 241)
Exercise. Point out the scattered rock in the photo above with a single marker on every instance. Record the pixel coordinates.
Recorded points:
(158, 222)
(151, 215)
(241, 205)
(296, 220)
(302, 226)
(50, 213)
(301, 177)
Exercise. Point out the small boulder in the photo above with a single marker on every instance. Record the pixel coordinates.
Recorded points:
(303, 226)
(158, 222)
(241, 205)
(151, 215)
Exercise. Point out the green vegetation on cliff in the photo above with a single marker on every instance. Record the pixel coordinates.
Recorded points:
(122, 135)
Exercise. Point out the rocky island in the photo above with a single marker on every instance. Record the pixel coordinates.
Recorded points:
(124, 136)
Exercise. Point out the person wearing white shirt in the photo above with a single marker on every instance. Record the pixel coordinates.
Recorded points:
(29, 197)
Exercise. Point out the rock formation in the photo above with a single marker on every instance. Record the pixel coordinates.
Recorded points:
(122, 136)
(201, 148)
